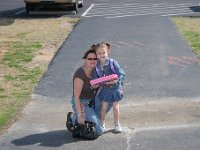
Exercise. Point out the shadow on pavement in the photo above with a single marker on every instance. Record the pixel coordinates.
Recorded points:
(8, 17)
(48, 139)
(6, 20)
(10, 12)
(195, 8)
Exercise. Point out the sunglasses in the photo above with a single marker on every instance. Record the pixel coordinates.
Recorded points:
(91, 58)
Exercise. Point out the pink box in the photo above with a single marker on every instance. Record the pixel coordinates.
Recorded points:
(104, 79)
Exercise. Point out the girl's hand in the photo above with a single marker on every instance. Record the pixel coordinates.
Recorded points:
(111, 82)
(81, 119)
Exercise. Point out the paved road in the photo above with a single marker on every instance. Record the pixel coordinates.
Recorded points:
(158, 61)
(10, 5)
(119, 10)
(160, 67)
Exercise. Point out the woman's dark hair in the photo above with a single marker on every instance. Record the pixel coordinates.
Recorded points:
(88, 52)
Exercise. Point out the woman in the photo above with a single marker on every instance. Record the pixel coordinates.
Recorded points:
(83, 94)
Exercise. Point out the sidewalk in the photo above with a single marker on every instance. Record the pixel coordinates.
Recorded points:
(43, 125)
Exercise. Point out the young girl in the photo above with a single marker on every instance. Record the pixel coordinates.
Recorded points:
(110, 92)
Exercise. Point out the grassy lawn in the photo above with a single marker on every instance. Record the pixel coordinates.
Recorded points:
(26, 48)
(190, 29)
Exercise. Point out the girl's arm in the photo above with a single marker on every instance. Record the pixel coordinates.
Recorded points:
(78, 85)
(119, 71)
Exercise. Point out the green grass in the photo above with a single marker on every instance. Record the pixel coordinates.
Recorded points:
(31, 75)
(190, 29)
(19, 97)
(24, 83)
(20, 53)
(22, 34)
(21, 40)
(2, 90)
(25, 75)
(5, 115)
(9, 78)
(3, 97)
(23, 94)
(23, 80)
(194, 39)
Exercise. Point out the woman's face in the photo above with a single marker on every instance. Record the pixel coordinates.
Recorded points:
(91, 60)
(102, 53)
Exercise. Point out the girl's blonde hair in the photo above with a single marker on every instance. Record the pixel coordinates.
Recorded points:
(101, 45)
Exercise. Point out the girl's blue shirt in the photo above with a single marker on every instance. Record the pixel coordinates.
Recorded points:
(106, 70)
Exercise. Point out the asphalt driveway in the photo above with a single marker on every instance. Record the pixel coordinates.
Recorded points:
(161, 105)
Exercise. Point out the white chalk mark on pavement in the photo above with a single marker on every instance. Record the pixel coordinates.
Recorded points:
(92, 5)
(170, 127)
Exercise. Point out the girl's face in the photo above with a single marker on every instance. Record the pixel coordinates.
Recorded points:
(91, 60)
(102, 53)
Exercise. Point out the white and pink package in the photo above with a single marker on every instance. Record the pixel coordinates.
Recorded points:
(104, 79)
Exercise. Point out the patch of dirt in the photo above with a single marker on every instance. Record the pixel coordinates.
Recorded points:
(43, 57)
(50, 32)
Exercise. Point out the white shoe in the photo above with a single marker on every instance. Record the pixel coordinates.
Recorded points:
(117, 128)
(104, 125)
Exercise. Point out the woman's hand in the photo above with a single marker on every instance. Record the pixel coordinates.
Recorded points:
(81, 119)
(94, 86)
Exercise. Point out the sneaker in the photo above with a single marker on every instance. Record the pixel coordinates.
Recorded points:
(104, 125)
(69, 123)
(117, 128)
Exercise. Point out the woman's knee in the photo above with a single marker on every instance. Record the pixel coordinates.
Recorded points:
(93, 117)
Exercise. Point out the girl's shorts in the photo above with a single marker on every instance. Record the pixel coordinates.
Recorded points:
(110, 95)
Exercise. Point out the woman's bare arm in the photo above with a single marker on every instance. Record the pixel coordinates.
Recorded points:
(78, 85)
